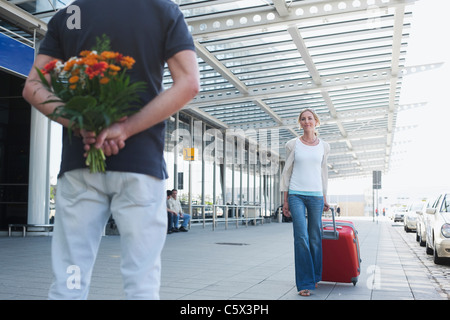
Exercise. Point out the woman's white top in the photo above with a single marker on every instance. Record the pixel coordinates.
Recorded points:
(306, 176)
(289, 165)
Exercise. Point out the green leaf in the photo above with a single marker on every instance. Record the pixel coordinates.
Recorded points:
(53, 100)
(107, 120)
(42, 77)
(102, 44)
(80, 103)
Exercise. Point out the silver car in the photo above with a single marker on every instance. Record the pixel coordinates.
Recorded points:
(421, 231)
(437, 225)
(412, 216)
(399, 214)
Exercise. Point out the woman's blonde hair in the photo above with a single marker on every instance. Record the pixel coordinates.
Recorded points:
(316, 117)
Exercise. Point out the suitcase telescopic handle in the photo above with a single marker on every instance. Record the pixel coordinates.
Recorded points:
(334, 224)
(334, 234)
(330, 225)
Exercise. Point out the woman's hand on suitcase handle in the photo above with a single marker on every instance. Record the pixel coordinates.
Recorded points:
(326, 206)
(286, 211)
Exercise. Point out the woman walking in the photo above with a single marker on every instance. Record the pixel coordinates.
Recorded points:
(304, 182)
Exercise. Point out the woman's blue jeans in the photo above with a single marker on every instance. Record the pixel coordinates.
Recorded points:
(306, 212)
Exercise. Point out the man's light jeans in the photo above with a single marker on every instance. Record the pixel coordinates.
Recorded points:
(84, 202)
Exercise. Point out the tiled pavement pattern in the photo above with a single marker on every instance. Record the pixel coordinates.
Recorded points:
(244, 263)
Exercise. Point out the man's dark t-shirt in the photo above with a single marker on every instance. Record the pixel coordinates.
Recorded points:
(149, 31)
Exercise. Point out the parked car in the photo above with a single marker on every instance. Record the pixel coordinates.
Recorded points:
(437, 225)
(412, 215)
(410, 219)
(399, 214)
(420, 224)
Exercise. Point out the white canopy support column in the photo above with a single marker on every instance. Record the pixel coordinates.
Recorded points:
(39, 175)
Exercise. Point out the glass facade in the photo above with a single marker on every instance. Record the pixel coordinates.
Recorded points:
(226, 181)
(14, 151)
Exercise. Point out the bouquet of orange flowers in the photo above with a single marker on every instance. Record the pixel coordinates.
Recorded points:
(95, 92)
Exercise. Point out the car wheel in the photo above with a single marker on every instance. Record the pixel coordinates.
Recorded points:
(428, 249)
(436, 258)
(421, 242)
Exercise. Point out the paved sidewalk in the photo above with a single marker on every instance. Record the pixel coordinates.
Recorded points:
(245, 263)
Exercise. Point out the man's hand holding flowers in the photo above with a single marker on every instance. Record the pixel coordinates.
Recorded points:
(111, 140)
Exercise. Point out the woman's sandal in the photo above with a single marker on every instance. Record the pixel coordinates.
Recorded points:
(305, 293)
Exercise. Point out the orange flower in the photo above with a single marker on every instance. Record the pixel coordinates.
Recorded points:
(89, 58)
(73, 87)
(104, 80)
(74, 79)
(90, 61)
(85, 53)
(108, 55)
(113, 67)
(70, 64)
(92, 54)
(127, 62)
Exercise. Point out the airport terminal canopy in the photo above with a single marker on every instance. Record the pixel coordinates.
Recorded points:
(262, 61)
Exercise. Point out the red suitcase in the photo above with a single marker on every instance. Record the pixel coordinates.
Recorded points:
(340, 252)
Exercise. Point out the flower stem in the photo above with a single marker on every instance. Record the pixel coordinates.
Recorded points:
(96, 160)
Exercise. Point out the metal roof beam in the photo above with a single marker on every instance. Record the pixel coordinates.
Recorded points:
(204, 115)
(306, 56)
(304, 53)
(16, 2)
(263, 18)
(372, 134)
(280, 6)
(397, 39)
(201, 4)
(22, 19)
(271, 113)
(218, 66)
(395, 70)
(293, 87)
(357, 27)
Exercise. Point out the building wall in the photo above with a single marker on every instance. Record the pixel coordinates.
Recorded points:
(352, 209)
(351, 205)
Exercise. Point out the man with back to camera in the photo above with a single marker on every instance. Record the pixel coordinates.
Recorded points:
(133, 187)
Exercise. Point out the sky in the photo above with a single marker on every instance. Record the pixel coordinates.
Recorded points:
(424, 167)
(420, 165)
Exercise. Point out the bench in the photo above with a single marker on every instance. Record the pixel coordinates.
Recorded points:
(25, 227)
